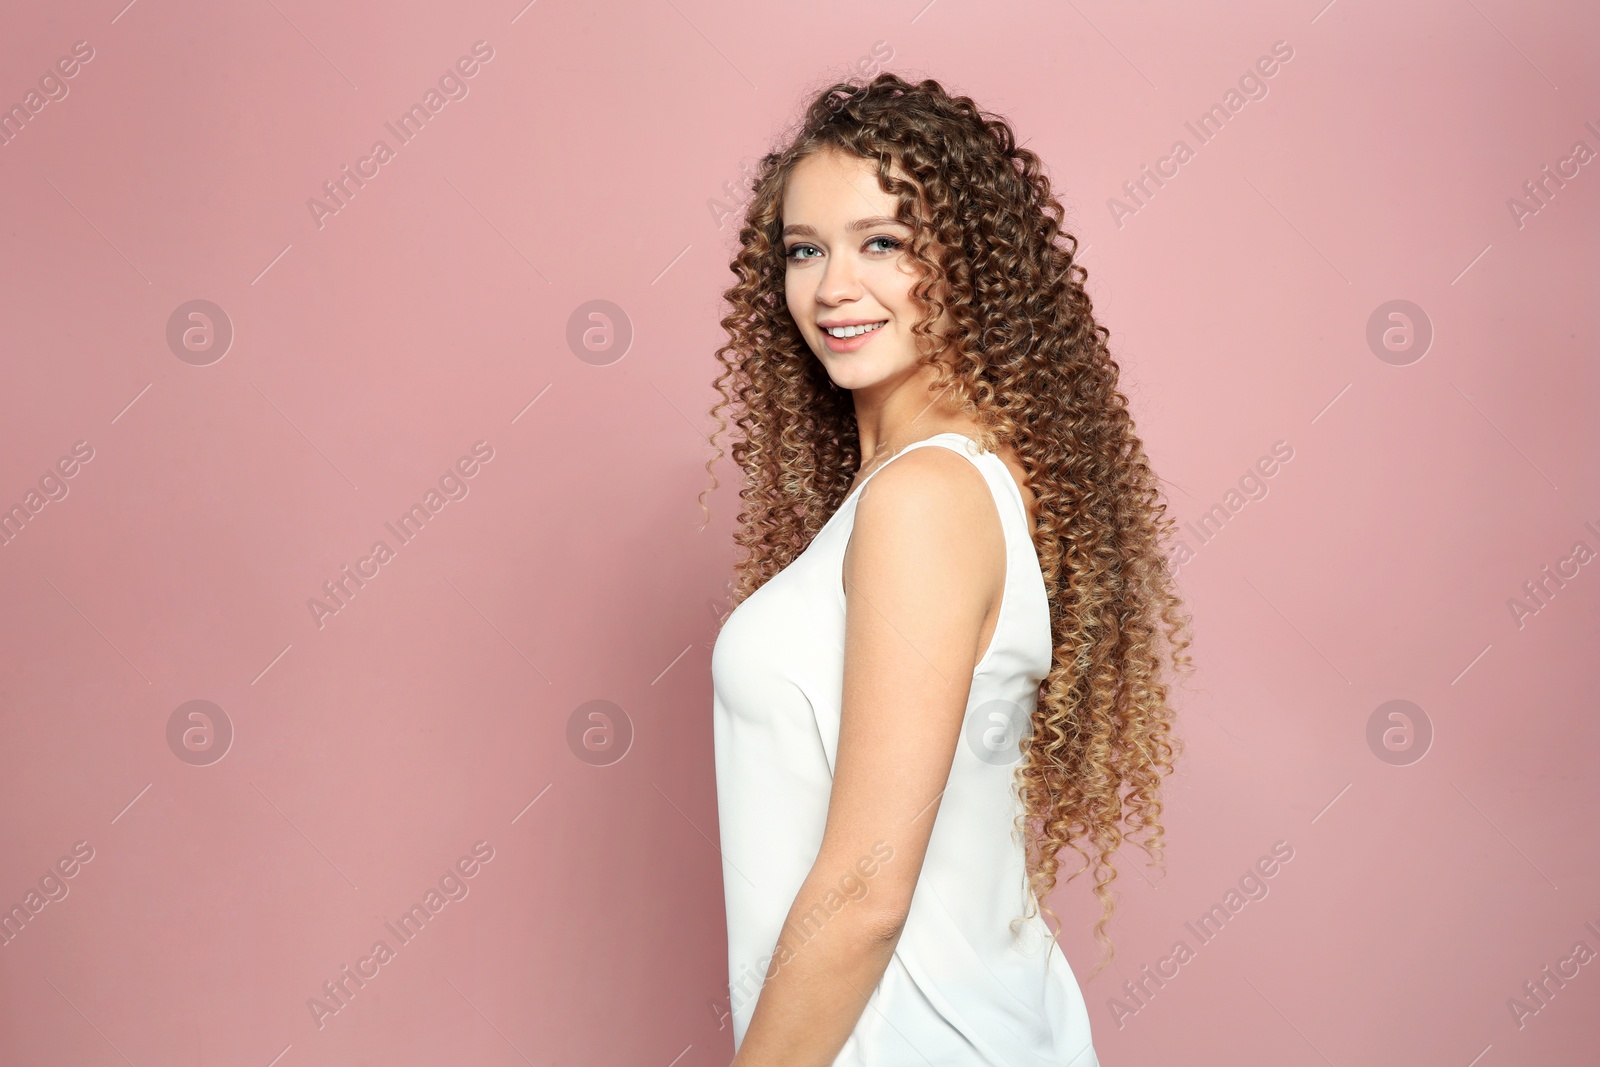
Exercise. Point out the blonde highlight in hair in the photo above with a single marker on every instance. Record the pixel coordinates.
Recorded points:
(1030, 364)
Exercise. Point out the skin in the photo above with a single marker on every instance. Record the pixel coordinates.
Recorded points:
(923, 574)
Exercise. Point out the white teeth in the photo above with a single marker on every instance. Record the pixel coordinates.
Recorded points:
(852, 331)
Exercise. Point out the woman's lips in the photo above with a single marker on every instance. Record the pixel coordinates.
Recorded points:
(850, 344)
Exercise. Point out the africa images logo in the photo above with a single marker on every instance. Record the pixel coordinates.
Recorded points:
(452, 85)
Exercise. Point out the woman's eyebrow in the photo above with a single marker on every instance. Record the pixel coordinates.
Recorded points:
(800, 229)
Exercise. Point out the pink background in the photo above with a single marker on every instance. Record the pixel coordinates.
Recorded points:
(433, 711)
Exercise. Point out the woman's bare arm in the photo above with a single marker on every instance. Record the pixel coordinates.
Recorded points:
(925, 563)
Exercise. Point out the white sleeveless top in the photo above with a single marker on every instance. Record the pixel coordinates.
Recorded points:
(960, 990)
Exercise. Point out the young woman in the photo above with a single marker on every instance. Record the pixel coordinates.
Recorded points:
(953, 619)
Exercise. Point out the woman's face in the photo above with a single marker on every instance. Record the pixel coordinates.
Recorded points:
(845, 266)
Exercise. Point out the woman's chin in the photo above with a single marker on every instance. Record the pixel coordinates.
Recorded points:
(850, 371)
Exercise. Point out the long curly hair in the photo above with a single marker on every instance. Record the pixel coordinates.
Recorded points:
(1031, 366)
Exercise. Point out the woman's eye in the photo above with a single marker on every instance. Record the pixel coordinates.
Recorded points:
(876, 244)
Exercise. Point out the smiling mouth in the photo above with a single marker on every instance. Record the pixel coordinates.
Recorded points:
(843, 332)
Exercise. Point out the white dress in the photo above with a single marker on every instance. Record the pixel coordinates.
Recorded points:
(960, 990)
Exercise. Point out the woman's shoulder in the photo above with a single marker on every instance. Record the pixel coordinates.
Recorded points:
(933, 509)
(937, 473)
